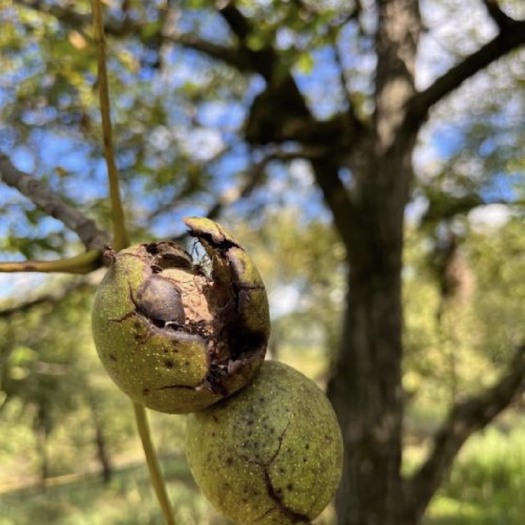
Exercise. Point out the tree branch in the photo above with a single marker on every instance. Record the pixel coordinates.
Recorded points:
(79, 20)
(512, 37)
(255, 178)
(22, 308)
(503, 21)
(228, 55)
(263, 61)
(465, 418)
(67, 15)
(120, 233)
(282, 97)
(443, 206)
(280, 113)
(336, 196)
(80, 264)
(345, 84)
(38, 193)
(235, 20)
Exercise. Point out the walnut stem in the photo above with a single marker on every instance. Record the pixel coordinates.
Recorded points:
(80, 264)
(155, 473)
(120, 234)
(120, 241)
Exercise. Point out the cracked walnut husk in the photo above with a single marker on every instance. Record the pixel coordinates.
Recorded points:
(269, 455)
(173, 336)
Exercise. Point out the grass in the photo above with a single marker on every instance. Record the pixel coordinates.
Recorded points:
(487, 484)
(126, 500)
(486, 487)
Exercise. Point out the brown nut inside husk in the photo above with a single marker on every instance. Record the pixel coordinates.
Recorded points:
(174, 337)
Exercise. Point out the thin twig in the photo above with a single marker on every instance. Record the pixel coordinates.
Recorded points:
(120, 241)
(120, 235)
(343, 80)
(153, 463)
(80, 264)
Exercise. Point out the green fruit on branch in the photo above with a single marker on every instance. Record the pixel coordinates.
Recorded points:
(269, 455)
(174, 337)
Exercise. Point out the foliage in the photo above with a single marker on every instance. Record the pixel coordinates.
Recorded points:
(126, 501)
(303, 266)
(485, 487)
(499, 259)
(486, 484)
(46, 354)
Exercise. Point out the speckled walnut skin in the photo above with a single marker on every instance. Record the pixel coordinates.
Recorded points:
(172, 337)
(271, 454)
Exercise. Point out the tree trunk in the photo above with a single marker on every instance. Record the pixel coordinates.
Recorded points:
(42, 436)
(365, 394)
(43, 426)
(102, 452)
(365, 388)
(103, 456)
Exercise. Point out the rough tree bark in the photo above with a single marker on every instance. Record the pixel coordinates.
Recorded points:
(366, 385)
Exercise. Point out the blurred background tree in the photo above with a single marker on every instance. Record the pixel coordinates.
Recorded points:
(368, 153)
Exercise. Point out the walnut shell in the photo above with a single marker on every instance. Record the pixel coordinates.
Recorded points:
(271, 454)
(174, 337)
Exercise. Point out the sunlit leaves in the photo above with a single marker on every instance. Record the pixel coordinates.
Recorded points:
(51, 380)
(498, 256)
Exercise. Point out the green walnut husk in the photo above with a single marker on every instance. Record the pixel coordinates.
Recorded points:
(173, 336)
(271, 454)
